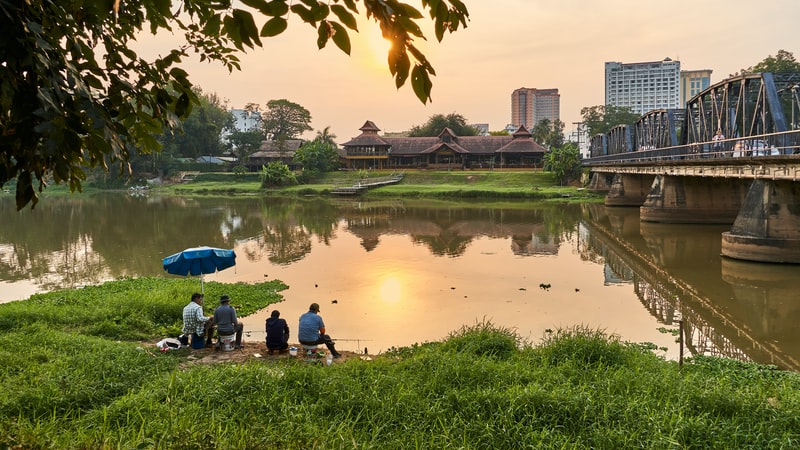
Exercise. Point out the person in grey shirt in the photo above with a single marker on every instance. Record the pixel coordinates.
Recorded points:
(226, 321)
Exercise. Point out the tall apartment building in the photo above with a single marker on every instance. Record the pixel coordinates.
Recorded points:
(530, 105)
(693, 82)
(644, 86)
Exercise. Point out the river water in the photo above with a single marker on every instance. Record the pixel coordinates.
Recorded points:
(392, 273)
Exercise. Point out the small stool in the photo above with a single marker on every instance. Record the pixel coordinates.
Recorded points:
(226, 343)
(310, 349)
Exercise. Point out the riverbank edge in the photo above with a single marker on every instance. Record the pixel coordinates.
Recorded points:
(89, 376)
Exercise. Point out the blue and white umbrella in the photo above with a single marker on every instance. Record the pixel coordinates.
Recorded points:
(199, 261)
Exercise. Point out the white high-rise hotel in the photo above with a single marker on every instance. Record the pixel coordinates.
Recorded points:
(644, 86)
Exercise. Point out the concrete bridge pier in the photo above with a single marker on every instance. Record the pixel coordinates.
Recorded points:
(767, 228)
(600, 182)
(629, 189)
(674, 199)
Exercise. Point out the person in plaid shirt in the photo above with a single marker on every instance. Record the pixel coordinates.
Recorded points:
(196, 324)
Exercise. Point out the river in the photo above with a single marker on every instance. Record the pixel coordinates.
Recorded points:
(392, 273)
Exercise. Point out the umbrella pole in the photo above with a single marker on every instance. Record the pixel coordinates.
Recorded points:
(202, 288)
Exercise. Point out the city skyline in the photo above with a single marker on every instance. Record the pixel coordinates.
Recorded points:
(508, 44)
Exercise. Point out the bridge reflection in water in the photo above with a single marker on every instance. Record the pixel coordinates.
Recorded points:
(735, 309)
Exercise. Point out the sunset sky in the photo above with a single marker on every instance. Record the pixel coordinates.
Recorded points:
(508, 44)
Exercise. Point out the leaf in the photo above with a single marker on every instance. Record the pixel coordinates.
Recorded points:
(410, 26)
(212, 25)
(345, 16)
(274, 27)
(304, 14)
(247, 28)
(421, 83)
(340, 37)
(277, 8)
(323, 33)
(260, 5)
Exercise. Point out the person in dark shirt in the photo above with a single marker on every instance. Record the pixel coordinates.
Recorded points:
(277, 333)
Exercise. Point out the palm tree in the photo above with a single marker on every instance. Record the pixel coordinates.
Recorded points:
(325, 136)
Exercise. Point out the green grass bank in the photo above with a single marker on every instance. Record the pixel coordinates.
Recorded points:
(76, 373)
(415, 184)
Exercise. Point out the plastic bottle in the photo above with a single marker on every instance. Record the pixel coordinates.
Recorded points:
(329, 359)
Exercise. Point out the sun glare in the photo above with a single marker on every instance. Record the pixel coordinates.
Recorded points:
(377, 46)
(391, 290)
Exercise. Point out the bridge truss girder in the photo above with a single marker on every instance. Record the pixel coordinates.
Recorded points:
(745, 105)
(659, 128)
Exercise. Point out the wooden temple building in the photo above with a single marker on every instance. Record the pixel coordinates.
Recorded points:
(369, 150)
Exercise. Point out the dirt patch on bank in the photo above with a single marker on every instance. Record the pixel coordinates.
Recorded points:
(252, 352)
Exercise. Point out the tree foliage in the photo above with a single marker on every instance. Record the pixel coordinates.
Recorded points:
(564, 162)
(245, 143)
(276, 174)
(549, 134)
(438, 122)
(75, 95)
(201, 132)
(602, 118)
(783, 61)
(317, 157)
(285, 120)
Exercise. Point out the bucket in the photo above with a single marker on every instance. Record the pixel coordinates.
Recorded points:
(293, 351)
(226, 342)
(198, 342)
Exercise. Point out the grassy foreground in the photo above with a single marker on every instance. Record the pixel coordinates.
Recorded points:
(74, 375)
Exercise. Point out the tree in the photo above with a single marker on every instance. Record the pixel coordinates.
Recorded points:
(316, 157)
(783, 61)
(326, 136)
(245, 143)
(564, 162)
(602, 118)
(75, 95)
(438, 122)
(201, 132)
(285, 120)
(549, 134)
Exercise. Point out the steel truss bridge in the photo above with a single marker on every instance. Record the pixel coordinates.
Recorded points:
(757, 112)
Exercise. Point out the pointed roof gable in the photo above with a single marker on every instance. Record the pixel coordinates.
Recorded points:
(447, 132)
(522, 142)
(368, 137)
(369, 126)
(522, 132)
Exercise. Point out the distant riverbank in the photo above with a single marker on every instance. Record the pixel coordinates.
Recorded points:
(486, 184)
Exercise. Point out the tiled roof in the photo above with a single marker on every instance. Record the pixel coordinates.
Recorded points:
(366, 140)
(520, 142)
(269, 149)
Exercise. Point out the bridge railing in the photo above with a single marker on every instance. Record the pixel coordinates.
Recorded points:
(765, 145)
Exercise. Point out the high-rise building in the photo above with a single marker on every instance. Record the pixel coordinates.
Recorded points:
(644, 86)
(693, 82)
(530, 105)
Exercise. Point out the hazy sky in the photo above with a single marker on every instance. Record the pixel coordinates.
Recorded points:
(508, 44)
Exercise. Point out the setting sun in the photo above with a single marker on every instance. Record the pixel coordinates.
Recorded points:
(377, 48)
(390, 290)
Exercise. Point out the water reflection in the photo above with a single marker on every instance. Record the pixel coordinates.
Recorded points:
(730, 308)
(394, 272)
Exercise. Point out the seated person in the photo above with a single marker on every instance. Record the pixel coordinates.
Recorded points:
(226, 321)
(312, 330)
(196, 324)
(277, 333)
